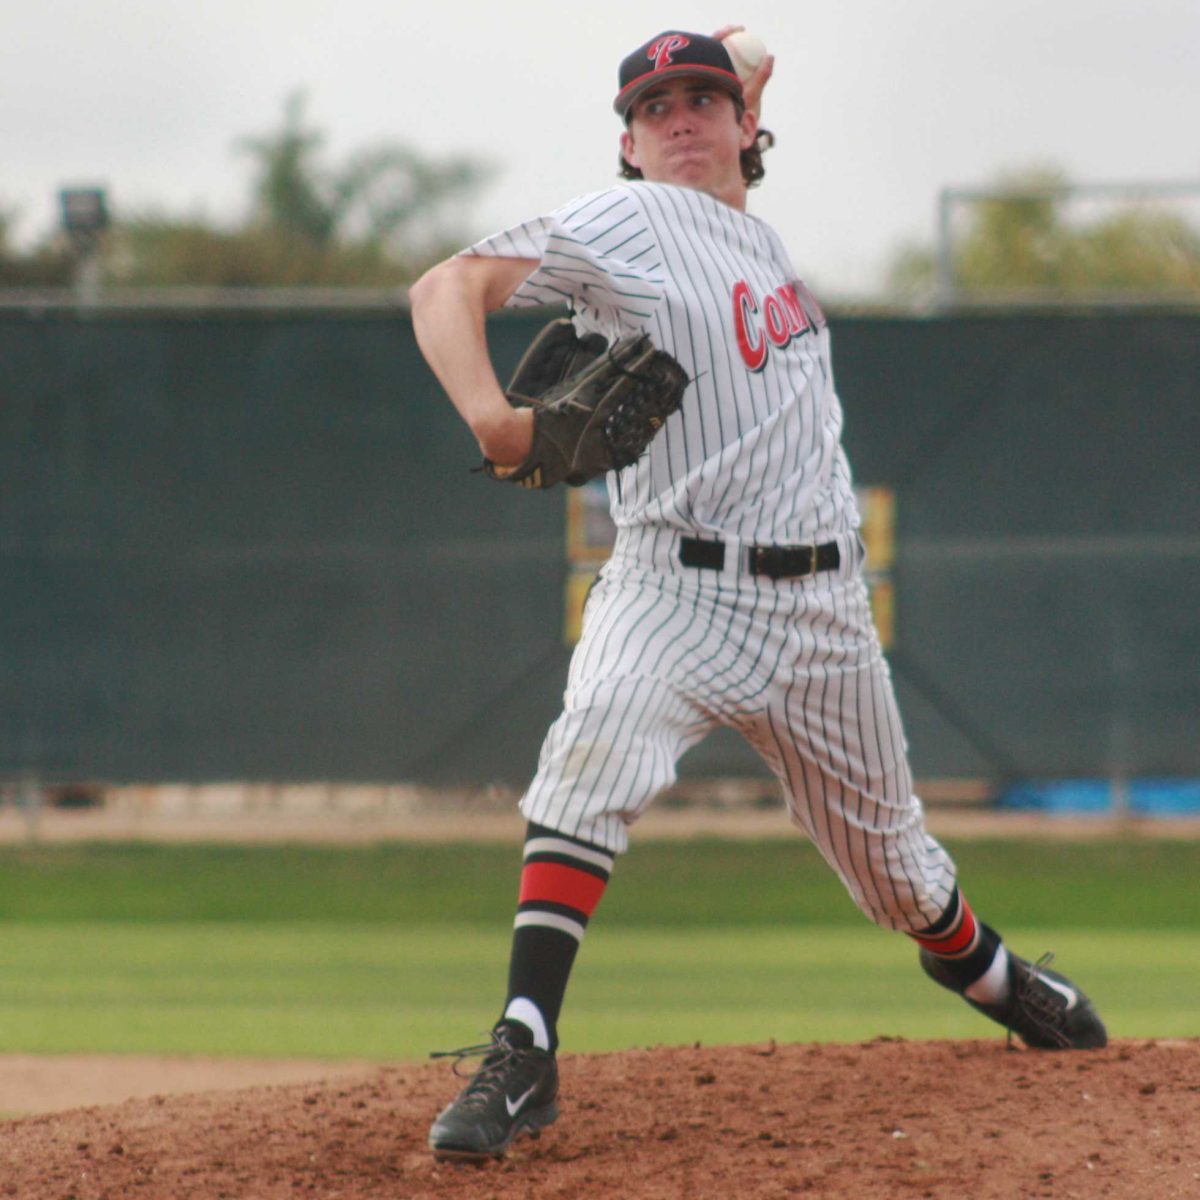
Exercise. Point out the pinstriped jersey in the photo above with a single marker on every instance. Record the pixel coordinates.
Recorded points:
(754, 452)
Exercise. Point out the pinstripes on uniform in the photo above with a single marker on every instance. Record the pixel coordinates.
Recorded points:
(667, 656)
(754, 456)
(750, 454)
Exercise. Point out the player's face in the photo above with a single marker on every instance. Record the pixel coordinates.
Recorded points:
(687, 132)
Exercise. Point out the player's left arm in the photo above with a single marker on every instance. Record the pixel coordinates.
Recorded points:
(450, 304)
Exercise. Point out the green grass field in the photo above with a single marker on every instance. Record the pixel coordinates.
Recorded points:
(386, 952)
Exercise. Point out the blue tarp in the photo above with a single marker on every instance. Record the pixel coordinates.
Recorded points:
(1146, 797)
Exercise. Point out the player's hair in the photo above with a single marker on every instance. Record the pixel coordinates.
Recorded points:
(753, 170)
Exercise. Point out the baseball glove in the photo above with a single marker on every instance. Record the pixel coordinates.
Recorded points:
(595, 407)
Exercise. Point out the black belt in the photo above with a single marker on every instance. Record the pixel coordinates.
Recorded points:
(776, 562)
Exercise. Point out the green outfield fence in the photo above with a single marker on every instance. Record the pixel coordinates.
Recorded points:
(241, 539)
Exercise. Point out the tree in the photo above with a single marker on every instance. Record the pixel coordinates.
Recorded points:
(389, 196)
(1024, 241)
(377, 220)
(288, 192)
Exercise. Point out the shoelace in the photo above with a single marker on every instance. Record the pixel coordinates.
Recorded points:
(488, 1079)
(1043, 1005)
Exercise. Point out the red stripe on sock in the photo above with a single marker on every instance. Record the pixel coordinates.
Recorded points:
(955, 942)
(560, 884)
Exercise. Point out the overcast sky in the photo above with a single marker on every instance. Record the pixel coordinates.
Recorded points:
(876, 103)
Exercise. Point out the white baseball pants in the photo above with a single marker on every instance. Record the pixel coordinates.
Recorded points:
(670, 652)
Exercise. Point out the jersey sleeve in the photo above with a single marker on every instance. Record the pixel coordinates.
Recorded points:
(597, 254)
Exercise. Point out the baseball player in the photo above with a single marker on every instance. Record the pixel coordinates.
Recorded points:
(734, 593)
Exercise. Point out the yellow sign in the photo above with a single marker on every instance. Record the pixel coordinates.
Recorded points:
(877, 507)
(590, 537)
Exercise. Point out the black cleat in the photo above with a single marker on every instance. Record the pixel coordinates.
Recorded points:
(512, 1093)
(1046, 1011)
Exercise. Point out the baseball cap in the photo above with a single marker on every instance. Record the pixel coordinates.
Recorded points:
(672, 54)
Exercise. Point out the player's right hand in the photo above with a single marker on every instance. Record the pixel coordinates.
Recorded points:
(752, 88)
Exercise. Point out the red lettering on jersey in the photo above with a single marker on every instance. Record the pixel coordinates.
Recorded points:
(754, 349)
(797, 318)
(788, 312)
(662, 50)
(777, 327)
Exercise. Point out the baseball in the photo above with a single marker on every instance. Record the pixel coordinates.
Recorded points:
(747, 52)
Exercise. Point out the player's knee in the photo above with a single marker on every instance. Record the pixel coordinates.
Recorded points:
(903, 910)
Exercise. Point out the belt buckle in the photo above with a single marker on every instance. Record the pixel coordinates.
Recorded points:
(771, 561)
(811, 547)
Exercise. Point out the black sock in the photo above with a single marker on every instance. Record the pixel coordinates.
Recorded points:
(562, 881)
(964, 946)
(538, 971)
(971, 966)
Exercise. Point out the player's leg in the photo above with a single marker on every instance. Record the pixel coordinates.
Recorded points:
(563, 877)
(829, 729)
(1045, 1009)
(832, 733)
(515, 1090)
(611, 751)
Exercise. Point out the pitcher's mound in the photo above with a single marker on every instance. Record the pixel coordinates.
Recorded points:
(888, 1119)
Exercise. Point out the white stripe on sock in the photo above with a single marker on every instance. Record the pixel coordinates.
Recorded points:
(992, 986)
(551, 921)
(524, 1010)
(570, 850)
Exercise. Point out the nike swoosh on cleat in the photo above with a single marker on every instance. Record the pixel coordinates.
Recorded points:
(515, 1106)
(1068, 994)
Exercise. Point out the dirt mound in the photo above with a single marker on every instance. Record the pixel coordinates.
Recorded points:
(861, 1122)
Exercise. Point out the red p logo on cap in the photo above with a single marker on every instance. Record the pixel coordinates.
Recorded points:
(662, 50)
